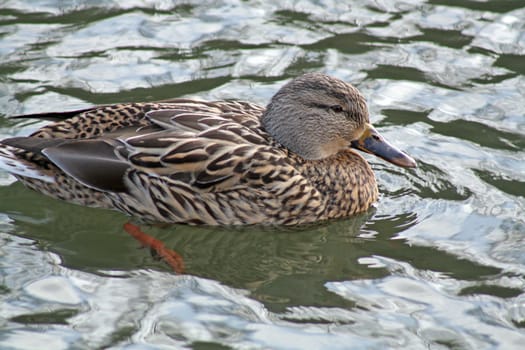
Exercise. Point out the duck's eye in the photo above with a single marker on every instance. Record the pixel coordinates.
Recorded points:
(336, 108)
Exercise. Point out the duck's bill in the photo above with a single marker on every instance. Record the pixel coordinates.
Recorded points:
(372, 142)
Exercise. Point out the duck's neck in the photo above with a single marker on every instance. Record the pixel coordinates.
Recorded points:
(346, 182)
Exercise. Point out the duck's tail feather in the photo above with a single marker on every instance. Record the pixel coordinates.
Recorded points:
(19, 167)
(32, 144)
(53, 116)
(94, 163)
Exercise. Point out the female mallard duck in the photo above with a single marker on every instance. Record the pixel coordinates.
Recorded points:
(214, 163)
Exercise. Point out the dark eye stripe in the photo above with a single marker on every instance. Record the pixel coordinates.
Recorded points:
(319, 105)
(335, 108)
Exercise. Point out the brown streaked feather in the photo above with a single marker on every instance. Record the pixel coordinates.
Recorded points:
(182, 119)
(214, 159)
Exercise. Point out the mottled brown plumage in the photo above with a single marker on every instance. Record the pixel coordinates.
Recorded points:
(214, 163)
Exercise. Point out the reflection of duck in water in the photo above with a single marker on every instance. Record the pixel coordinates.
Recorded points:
(214, 163)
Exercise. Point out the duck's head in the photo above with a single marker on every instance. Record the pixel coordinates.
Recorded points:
(316, 116)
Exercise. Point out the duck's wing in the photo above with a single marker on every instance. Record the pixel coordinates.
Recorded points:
(207, 151)
(211, 149)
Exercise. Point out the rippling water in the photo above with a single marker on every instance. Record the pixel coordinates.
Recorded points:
(439, 264)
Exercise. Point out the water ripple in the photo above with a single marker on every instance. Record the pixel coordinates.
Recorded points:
(438, 263)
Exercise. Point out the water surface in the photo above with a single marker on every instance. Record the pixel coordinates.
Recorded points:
(438, 264)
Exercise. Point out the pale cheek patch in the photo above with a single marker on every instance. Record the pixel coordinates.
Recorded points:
(357, 133)
(331, 148)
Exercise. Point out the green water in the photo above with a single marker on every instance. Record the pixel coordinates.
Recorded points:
(438, 264)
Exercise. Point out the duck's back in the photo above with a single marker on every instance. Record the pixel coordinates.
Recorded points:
(100, 120)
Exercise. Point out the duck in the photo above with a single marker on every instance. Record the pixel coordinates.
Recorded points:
(218, 163)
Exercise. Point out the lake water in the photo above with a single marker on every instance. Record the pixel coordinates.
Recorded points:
(440, 264)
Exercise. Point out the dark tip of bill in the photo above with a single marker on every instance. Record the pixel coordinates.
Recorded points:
(404, 161)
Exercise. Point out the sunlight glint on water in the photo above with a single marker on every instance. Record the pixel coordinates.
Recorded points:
(439, 264)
